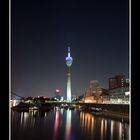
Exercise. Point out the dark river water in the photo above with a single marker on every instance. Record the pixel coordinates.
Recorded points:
(62, 124)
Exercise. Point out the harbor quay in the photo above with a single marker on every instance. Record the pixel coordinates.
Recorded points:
(116, 111)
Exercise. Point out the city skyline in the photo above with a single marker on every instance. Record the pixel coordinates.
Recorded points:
(97, 33)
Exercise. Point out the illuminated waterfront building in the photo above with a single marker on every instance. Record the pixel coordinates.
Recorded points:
(95, 93)
(90, 93)
(69, 61)
(118, 89)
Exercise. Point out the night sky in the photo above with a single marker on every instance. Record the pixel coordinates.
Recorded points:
(96, 30)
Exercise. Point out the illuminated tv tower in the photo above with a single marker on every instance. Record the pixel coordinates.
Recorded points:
(69, 61)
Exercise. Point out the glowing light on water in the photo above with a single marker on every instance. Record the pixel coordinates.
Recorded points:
(111, 129)
(102, 128)
(56, 125)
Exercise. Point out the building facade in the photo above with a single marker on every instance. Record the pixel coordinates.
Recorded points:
(117, 82)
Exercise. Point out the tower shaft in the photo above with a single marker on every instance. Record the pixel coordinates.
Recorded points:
(69, 85)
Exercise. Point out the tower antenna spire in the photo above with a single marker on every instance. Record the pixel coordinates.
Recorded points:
(68, 51)
(68, 48)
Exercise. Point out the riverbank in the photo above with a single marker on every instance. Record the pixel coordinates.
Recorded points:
(110, 112)
(113, 115)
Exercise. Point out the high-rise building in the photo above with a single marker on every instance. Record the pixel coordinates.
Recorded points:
(117, 82)
(69, 61)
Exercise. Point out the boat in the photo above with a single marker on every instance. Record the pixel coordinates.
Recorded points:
(96, 109)
(33, 108)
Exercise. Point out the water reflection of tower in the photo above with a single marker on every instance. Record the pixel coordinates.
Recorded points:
(69, 61)
(68, 125)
